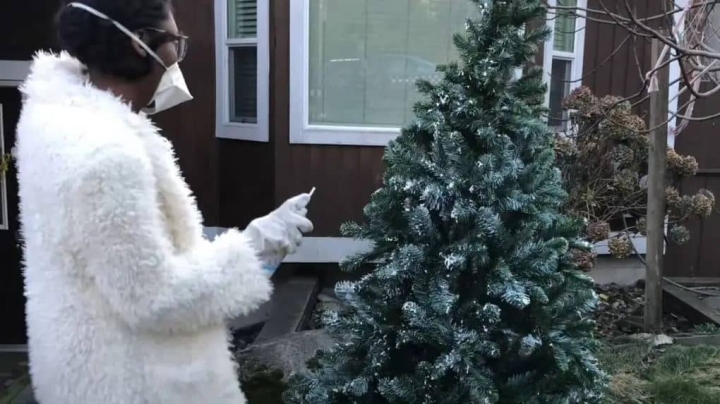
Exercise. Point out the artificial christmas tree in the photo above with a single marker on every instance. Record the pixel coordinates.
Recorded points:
(474, 297)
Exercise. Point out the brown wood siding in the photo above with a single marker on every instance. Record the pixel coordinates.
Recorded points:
(26, 27)
(346, 176)
(615, 61)
(12, 301)
(245, 178)
(191, 126)
(700, 256)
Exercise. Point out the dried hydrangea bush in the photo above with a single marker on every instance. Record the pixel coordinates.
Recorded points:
(604, 163)
(5, 161)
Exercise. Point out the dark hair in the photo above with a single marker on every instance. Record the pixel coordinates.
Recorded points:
(99, 44)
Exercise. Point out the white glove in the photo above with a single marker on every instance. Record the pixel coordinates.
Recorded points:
(280, 233)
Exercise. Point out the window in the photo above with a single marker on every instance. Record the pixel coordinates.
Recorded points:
(3, 181)
(354, 64)
(242, 64)
(564, 57)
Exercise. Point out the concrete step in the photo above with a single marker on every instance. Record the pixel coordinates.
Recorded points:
(292, 306)
(257, 317)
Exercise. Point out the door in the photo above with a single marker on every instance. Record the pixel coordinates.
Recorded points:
(12, 300)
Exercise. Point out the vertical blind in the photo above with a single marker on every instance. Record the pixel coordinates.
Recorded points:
(366, 55)
(565, 27)
(242, 15)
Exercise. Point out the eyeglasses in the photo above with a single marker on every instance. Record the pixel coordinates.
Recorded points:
(180, 41)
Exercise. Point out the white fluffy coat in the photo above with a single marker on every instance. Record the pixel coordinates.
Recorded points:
(127, 301)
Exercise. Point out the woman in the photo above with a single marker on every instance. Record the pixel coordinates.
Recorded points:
(126, 299)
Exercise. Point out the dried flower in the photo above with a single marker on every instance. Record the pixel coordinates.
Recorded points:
(679, 234)
(625, 180)
(683, 167)
(623, 155)
(672, 197)
(598, 231)
(5, 163)
(579, 99)
(701, 205)
(564, 147)
(583, 260)
(673, 159)
(614, 103)
(620, 247)
(708, 193)
(641, 225)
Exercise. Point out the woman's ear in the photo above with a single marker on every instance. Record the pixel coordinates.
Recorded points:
(137, 47)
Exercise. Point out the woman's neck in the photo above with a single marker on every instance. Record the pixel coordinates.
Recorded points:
(128, 92)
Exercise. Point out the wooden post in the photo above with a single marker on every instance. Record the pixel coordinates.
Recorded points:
(656, 193)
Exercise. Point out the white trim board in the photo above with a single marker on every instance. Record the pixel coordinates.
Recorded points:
(331, 250)
(13, 348)
(4, 217)
(302, 132)
(674, 90)
(14, 72)
(576, 57)
(256, 132)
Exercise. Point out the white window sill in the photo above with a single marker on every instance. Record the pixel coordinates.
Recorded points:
(241, 132)
(14, 71)
(343, 136)
(640, 243)
(331, 250)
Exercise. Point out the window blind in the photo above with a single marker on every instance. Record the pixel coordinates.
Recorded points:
(243, 101)
(565, 27)
(242, 15)
(366, 55)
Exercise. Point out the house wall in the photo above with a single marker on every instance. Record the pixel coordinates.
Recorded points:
(25, 27)
(615, 61)
(23, 30)
(700, 257)
(191, 126)
(345, 176)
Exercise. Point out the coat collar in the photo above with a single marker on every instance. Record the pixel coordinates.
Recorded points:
(60, 78)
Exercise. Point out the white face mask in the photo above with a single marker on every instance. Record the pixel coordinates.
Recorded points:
(172, 90)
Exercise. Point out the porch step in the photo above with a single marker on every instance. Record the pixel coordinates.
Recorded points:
(257, 317)
(292, 306)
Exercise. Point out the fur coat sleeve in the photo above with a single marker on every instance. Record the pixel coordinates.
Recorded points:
(135, 266)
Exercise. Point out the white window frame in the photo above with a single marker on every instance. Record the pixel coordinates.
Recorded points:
(257, 132)
(302, 132)
(13, 72)
(576, 57)
(5, 223)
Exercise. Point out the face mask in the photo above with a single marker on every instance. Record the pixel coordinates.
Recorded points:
(172, 90)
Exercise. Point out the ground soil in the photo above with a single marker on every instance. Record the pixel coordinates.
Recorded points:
(621, 309)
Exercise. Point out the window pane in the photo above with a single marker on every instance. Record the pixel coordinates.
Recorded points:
(559, 90)
(243, 84)
(242, 18)
(565, 27)
(366, 55)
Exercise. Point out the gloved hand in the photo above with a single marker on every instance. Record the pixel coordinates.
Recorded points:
(280, 233)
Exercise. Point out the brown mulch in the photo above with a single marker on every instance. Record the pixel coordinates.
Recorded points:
(620, 312)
